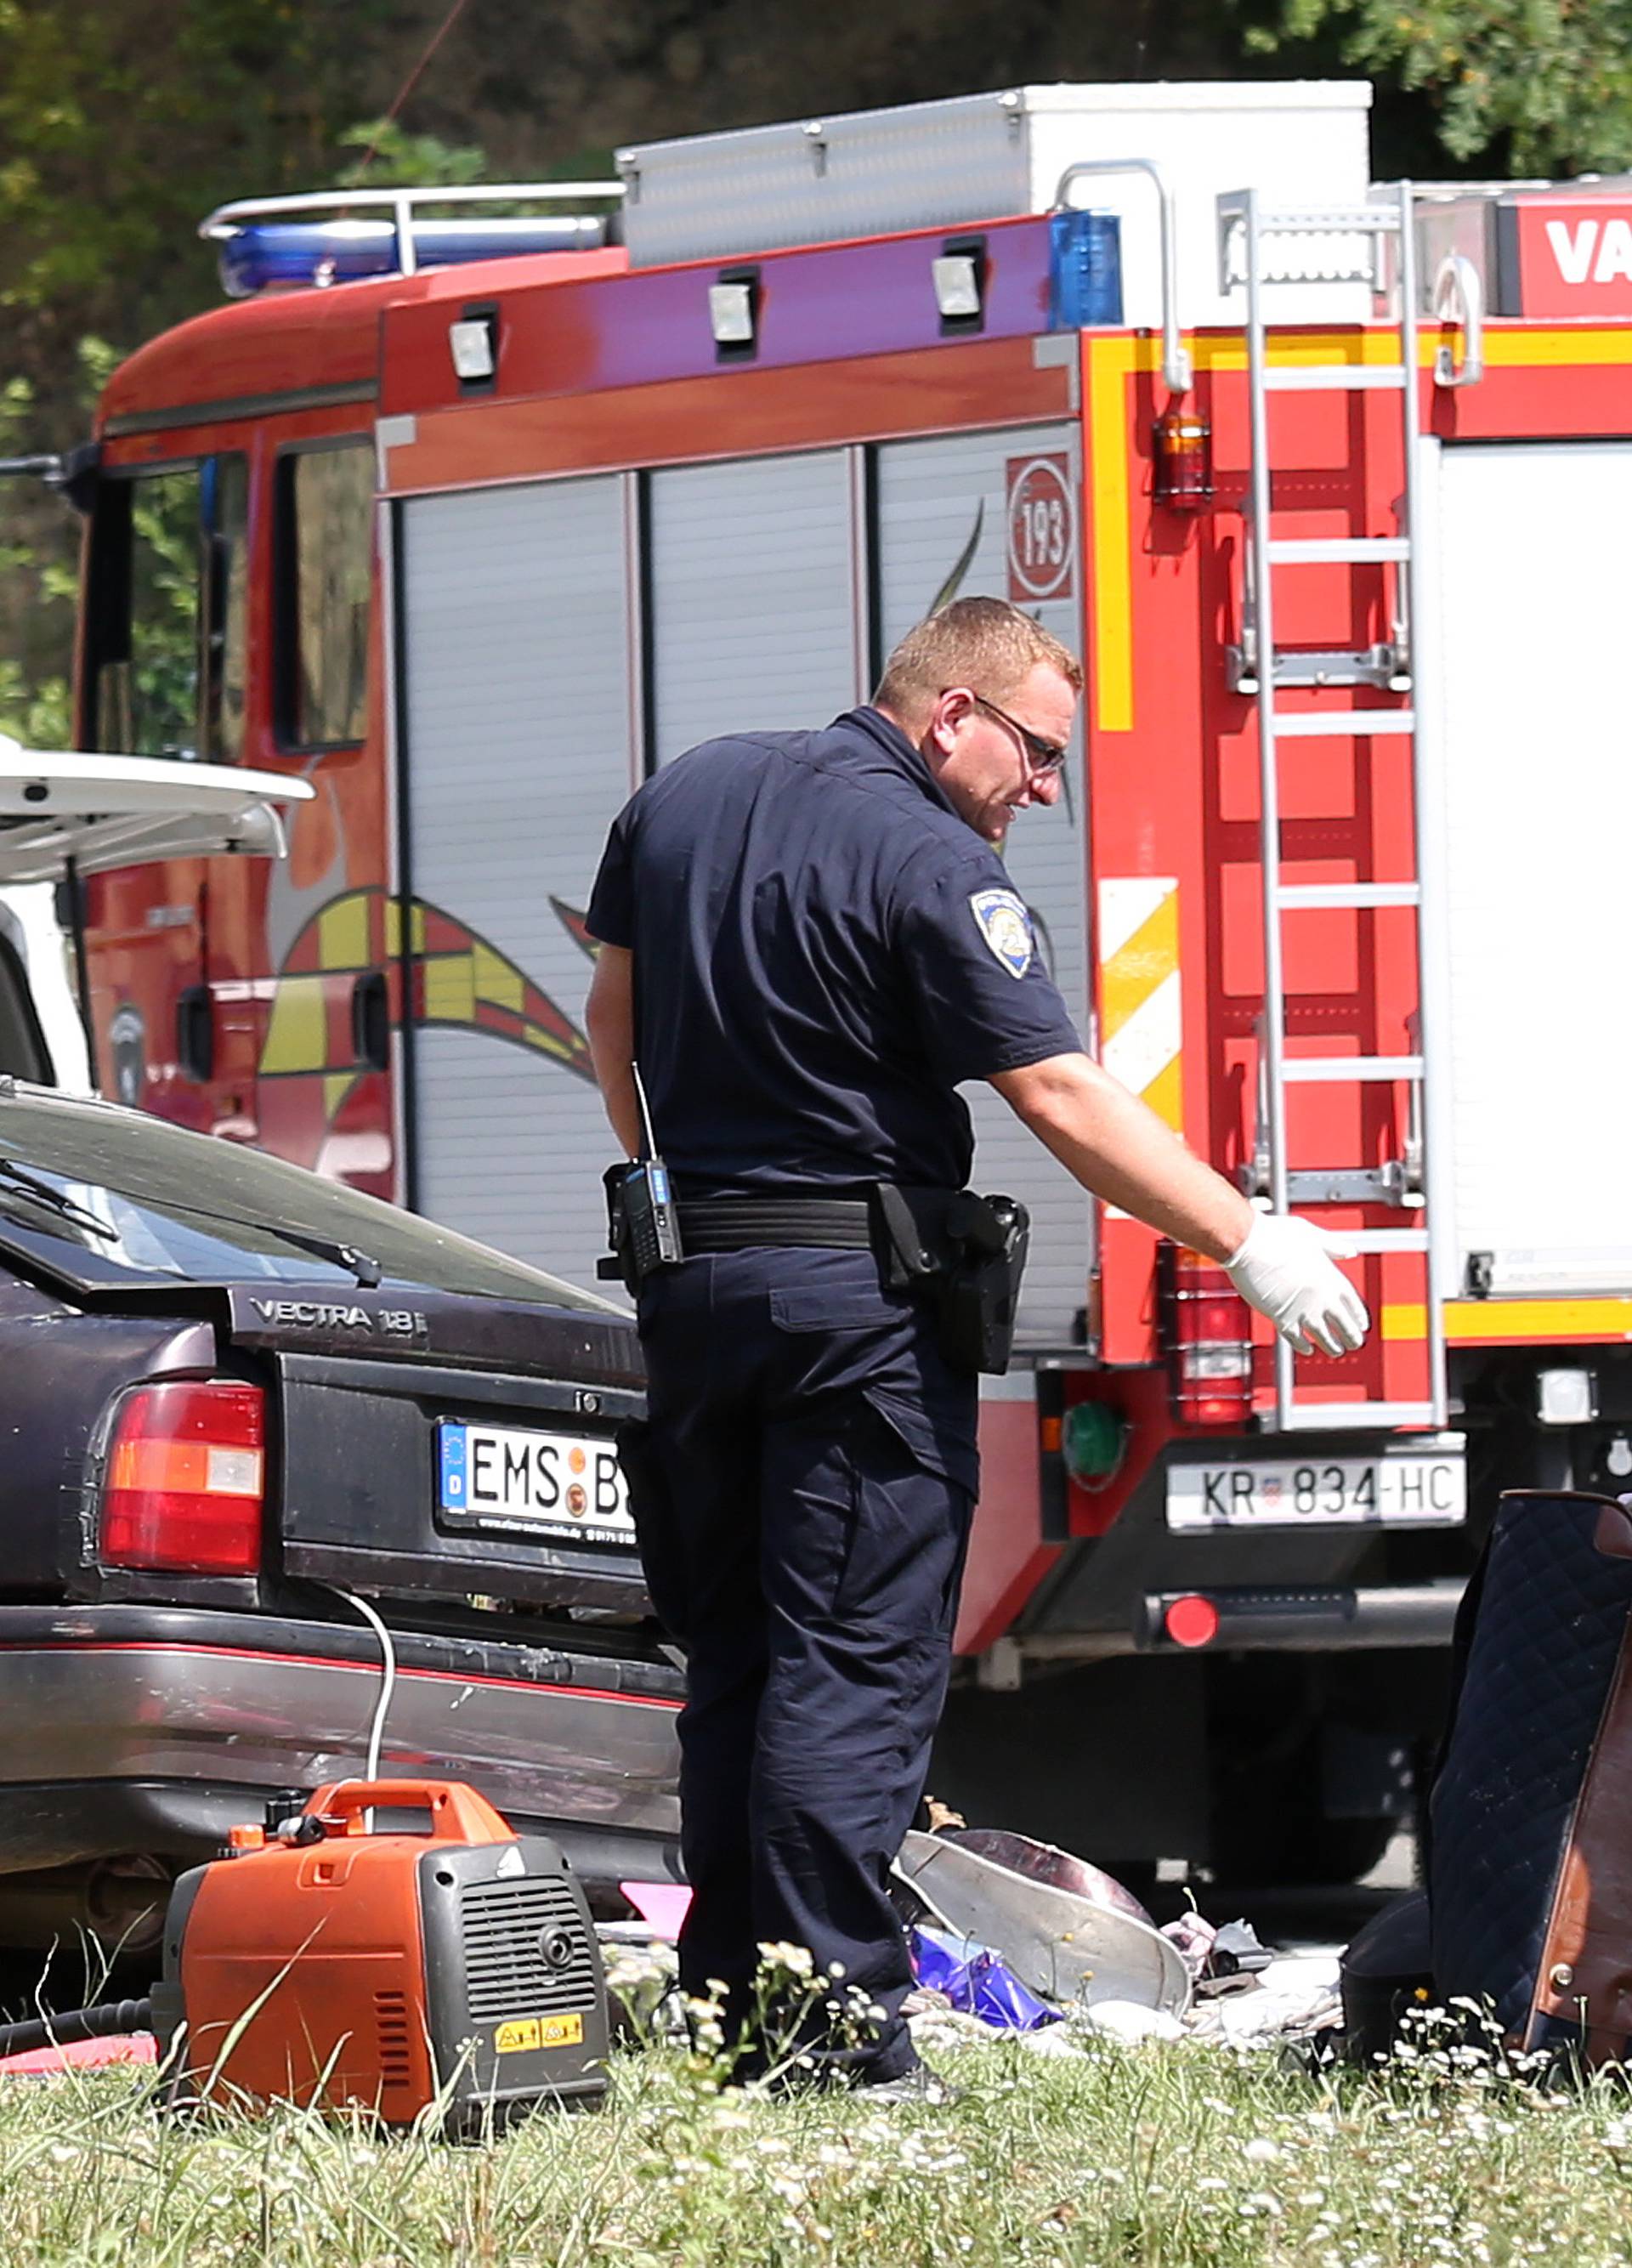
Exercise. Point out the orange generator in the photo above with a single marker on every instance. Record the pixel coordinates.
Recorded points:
(325, 1962)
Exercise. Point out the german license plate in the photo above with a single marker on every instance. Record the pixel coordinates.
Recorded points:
(1393, 1492)
(510, 1479)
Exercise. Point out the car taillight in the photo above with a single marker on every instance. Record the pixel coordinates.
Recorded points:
(1208, 1327)
(185, 1479)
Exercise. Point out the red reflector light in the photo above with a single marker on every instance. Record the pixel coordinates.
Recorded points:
(1192, 1621)
(185, 1479)
(1208, 1327)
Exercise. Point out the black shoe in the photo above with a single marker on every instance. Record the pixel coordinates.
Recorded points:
(918, 2084)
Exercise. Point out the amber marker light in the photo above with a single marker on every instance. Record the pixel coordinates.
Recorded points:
(1183, 461)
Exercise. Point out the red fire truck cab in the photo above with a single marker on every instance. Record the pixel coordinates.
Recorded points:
(1326, 482)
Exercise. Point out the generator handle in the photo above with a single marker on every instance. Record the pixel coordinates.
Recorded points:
(458, 1814)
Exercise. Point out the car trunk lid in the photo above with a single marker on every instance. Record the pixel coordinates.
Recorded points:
(451, 1449)
(403, 1324)
(62, 813)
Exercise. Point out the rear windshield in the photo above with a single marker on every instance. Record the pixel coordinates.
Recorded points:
(119, 1197)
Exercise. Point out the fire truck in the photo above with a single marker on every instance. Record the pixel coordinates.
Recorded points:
(471, 515)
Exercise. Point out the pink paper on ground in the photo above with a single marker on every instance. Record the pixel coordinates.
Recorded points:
(134, 2047)
(663, 1904)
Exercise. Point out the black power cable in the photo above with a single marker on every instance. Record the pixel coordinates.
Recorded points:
(112, 2018)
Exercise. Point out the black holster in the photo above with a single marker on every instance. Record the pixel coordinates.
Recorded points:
(617, 1264)
(967, 1255)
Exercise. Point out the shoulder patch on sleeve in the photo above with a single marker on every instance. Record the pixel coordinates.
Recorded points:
(1006, 926)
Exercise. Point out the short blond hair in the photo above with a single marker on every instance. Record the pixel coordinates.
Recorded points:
(984, 643)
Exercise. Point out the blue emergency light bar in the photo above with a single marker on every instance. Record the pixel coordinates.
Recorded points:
(284, 255)
(1085, 270)
(269, 244)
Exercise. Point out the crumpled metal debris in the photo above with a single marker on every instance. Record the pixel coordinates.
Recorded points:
(1030, 1943)
(1044, 1862)
(1070, 1948)
(1080, 1941)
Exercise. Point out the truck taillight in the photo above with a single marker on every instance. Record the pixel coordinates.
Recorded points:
(1207, 1328)
(1192, 1621)
(185, 1479)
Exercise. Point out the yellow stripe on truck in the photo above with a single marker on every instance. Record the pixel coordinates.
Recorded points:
(1141, 1007)
(1489, 1322)
(1110, 363)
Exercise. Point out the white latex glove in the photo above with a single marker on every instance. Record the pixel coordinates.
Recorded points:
(1286, 1271)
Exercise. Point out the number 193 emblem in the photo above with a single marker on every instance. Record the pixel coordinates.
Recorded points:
(1042, 528)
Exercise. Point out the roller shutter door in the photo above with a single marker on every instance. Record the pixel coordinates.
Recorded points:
(752, 605)
(517, 717)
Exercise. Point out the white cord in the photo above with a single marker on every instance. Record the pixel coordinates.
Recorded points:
(388, 1677)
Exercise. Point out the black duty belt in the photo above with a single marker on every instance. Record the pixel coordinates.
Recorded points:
(963, 1253)
(738, 1224)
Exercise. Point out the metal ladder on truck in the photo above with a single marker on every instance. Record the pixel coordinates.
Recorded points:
(1352, 245)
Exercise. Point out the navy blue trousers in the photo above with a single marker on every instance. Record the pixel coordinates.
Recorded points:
(805, 1547)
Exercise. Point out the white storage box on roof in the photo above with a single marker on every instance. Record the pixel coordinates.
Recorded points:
(988, 157)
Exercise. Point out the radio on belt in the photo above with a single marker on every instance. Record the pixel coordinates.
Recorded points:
(648, 1221)
(641, 1224)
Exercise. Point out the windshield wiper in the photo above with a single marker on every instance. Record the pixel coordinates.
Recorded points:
(351, 1257)
(53, 1200)
(362, 1265)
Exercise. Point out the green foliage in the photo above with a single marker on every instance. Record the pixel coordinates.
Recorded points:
(1188, 2156)
(39, 571)
(120, 128)
(1543, 86)
(40, 715)
(408, 161)
(181, 103)
(38, 576)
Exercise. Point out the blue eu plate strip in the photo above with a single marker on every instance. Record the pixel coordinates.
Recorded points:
(453, 1445)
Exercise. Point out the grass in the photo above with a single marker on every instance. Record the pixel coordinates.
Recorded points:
(1179, 2154)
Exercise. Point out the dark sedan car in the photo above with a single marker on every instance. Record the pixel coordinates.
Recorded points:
(234, 1397)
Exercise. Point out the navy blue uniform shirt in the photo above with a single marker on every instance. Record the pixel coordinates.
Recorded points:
(823, 949)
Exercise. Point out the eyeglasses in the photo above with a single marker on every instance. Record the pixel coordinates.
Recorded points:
(1043, 755)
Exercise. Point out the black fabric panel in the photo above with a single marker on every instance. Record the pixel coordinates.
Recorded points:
(1550, 1623)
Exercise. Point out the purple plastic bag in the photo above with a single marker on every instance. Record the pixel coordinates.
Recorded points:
(974, 1980)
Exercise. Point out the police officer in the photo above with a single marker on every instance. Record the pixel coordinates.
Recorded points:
(807, 941)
